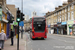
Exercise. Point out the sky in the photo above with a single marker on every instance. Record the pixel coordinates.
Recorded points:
(39, 6)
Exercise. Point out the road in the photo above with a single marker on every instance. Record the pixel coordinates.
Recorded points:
(52, 42)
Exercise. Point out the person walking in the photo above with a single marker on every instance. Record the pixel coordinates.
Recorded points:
(2, 39)
(12, 36)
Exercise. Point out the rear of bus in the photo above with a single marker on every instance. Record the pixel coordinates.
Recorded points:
(38, 27)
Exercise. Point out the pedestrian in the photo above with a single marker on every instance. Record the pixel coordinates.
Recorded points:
(2, 39)
(12, 36)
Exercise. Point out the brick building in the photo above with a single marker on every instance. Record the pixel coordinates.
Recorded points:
(62, 18)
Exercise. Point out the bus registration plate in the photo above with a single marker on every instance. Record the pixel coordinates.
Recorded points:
(39, 37)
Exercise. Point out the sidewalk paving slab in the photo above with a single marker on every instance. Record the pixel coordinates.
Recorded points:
(14, 47)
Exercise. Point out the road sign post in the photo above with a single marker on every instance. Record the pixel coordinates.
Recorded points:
(21, 24)
(18, 20)
(18, 38)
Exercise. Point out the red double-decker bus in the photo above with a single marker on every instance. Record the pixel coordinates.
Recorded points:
(39, 29)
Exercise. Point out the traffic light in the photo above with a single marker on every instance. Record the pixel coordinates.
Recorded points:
(22, 16)
(18, 15)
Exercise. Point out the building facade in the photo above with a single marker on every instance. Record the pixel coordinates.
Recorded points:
(62, 18)
(6, 17)
(33, 14)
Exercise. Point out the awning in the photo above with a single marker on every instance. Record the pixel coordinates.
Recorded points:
(64, 23)
(4, 20)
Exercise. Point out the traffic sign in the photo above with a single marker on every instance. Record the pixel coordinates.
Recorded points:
(21, 23)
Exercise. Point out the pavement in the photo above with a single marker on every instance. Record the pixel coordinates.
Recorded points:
(70, 36)
(14, 47)
(52, 42)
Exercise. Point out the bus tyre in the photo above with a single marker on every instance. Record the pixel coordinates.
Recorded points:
(43, 38)
(32, 39)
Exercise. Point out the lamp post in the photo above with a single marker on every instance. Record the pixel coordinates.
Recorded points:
(22, 12)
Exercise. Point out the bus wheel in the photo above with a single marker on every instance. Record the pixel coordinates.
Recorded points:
(43, 38)
(32, 38)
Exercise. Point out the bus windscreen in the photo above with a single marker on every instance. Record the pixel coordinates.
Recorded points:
(39, 25)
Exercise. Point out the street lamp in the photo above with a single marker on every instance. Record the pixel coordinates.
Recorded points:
(21, 15)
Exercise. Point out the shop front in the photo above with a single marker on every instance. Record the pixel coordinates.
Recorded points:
(59, 28)
(73, 29)
(4, 25)
(4, 22)
(64, 28)
(52, 29)
(55, 29)
(8, 24)
(49, 30)
(70, 27)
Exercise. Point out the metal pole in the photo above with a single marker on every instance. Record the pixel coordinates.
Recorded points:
(22, 27)
(18, 38)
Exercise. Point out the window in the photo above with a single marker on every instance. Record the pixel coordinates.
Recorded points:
(56, 13)
(3, 15)
(65, 9)
(68, 15)
(72, 15)
(60, 12)
(68, 8)
(60, 18)
(65, 17)
(56, 20)
(72, 6)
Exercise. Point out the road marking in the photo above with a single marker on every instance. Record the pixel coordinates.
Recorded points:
(31, 49)
(38, 48)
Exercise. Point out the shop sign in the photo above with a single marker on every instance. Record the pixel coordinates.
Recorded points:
(63, 23)
(0, 14)
(70, 25)
(15, 23)
(59, 24)
(70, 22)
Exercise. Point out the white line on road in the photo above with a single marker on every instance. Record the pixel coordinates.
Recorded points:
(63, 40)
(38, 48)
(31, 49)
